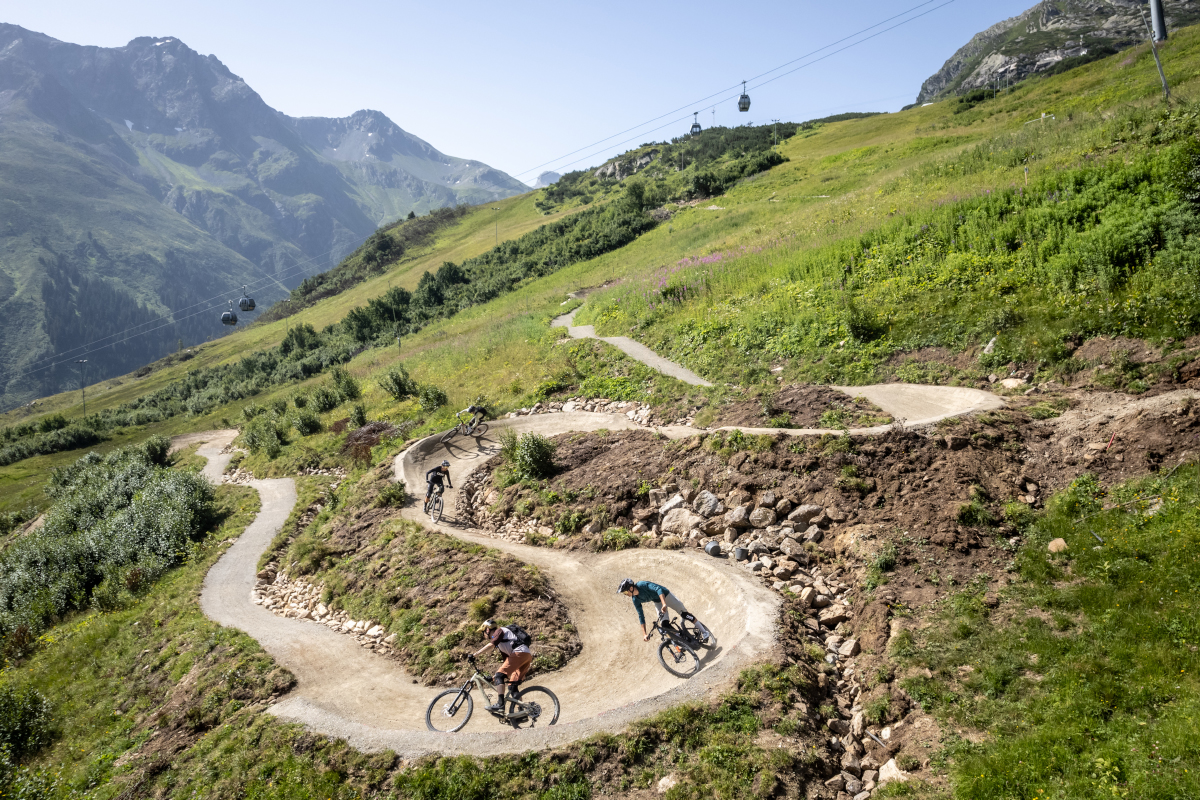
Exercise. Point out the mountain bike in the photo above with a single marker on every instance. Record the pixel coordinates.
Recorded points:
(476, 427)
(677, 651)
(433, 506)
(523, 708)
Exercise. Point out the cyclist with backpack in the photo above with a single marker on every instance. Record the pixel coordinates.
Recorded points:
(648, 592)
(513, 642)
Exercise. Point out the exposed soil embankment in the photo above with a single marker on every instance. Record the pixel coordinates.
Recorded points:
(802, 406)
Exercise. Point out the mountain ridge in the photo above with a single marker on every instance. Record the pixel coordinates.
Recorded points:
(1045, 36)
(160, 173)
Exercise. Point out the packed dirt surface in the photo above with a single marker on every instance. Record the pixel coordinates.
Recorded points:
(631, 348)
(801, 406)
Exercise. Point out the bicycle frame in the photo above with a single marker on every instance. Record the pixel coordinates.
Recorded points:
(676, 635)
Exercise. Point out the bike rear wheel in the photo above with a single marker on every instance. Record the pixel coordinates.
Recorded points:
(693, 630)
(540, 708)
(678, 659)
(449, 711)
(479, 430)
(435, 509)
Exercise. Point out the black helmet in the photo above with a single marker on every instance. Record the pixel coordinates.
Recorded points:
(445, 463)
(625, 586)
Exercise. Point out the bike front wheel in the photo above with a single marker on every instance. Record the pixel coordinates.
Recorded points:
(693, 630)
(449, 711)
(450, 434)
(678, 659)
(435, 509)
(536, 707)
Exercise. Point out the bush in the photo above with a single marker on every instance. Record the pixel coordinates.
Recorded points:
(111, 515)
(25, 725)
(324, 398)
(431, 398)
(300, 400)
(156, 449)
(533, 458)
(22, 783)
(617, 539)
(262, 435)
(306, 422)
(358, 416)
(394, 495)
(397, 383)
(346, 385)
(251, 411)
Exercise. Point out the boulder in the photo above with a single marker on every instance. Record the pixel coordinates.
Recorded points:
(783, 572)
(762, 517)
(1012, 383)
(706, 504)
(672, 504)
(820, 600)
(730, 535)
(956, 442)
(758, 547)
(890, 772)
(688, 494)
(783, 508)
(801, 516)
(767, 499)
(849, 649)
(807, 595)
(858, 721)
(851, 763)
(375, 631)
(1057, 546)
(768, 563)
(837, 783)
(790, 547)
(639, 528)
(714, 526)
(835, 514)
(854, 786)
(738, 517)
(832, 615)
(838, 726)
(679, 521)
(666, 783)
(814, 534)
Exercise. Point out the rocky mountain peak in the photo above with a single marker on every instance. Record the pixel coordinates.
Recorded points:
(1043, 37)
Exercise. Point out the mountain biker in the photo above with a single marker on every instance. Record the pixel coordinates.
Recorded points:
(647, 592)
(517, 659)
(477, 414)
(434, 478)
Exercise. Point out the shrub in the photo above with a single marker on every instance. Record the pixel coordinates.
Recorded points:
(533, 458)
(397, 383)
(110, 515)
(324, 398)
(569, 522)
(610, 388)
(279, 406)
(306, 422)
(23, 783)
(358, 416)
(24, 721)
(394, 495)
(251, 411)
(431, 398)
(346, 385)
(262, 435)
(300, 400)
(508, 444)
(617, 539)
(156, 449)
(54, 422)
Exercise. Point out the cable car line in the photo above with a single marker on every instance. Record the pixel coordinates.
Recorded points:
(756, 77)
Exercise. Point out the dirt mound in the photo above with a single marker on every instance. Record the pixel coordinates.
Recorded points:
(802, 406)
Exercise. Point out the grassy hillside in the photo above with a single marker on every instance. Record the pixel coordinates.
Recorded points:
(815, 264)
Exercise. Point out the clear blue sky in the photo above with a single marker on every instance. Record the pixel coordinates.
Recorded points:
(515, 85)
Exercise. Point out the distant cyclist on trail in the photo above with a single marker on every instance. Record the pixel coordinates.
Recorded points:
(434, 478)
(513, 643)
(477, 414)
(647, 592)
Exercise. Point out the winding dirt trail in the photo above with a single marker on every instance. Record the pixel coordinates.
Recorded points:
(345, 691)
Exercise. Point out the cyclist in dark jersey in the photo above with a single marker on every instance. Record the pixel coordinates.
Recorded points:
(648, 592)
(434, 478)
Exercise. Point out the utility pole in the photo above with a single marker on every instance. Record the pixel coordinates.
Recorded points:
(775, 130)
(496, 208)
(82, 388)
(1156, 6)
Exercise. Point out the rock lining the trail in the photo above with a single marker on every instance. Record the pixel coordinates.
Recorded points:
(641, 414)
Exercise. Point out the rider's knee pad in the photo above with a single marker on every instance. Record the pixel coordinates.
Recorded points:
(688, 616)
(499, 679)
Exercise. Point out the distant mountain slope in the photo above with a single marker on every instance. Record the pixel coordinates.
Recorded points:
(140, 180)
(1051, 32)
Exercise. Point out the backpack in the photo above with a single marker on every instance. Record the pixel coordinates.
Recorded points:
(519, 635)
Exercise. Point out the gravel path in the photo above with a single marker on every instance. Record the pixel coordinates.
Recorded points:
(345, 691)
(633, 349)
